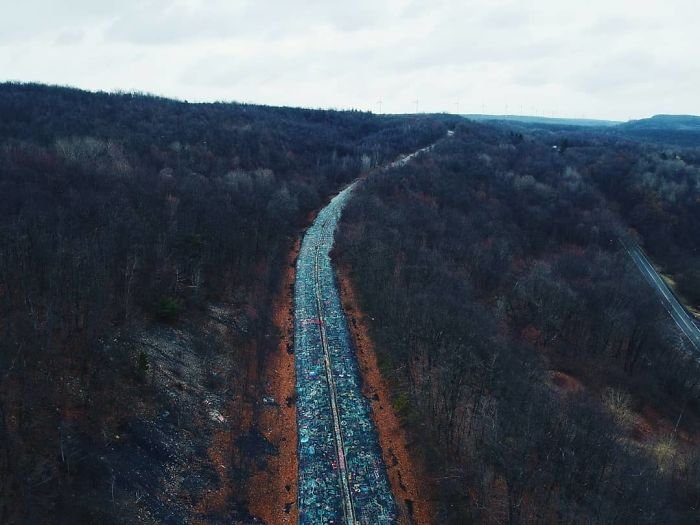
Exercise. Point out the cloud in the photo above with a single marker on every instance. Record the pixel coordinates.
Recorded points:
(32, 20)
(158, 22)
(69, 38)
(615, 58)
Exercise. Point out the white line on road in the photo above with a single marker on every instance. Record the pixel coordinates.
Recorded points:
(671, 304)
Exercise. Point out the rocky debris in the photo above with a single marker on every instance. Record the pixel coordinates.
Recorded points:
(157, 464)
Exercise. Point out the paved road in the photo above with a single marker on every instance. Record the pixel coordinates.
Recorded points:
(405, 160)
(342, 477)
(683, 320)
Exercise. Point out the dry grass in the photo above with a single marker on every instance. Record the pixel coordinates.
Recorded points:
(667, 453)
(671, 283)
(619, 405)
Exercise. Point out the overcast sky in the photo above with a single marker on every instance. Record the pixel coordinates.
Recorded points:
(614, 59)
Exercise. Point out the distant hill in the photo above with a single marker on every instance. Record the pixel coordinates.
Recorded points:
(525, 119)
(665, 122)
(671, 130)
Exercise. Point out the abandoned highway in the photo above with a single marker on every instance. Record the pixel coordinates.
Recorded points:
(342, 477)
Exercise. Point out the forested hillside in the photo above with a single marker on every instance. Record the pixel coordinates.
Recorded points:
(534, 368)
(654, 186)
(657, 192)
(142, 240)
(681, 130)
(144, 243)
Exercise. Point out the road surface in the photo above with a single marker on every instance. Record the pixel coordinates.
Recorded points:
(686, 324)
(342, 476)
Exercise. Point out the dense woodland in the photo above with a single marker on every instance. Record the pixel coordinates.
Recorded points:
(653, 186)
(120, 213)
(533, 366)
(658, 194)
(142, 241)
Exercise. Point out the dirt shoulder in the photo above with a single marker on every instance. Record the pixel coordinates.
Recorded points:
(409, 483)
(272, 492)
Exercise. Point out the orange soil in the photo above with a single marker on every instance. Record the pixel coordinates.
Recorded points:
(564, 382)
(222, 449)
(407, 478)
(272, 492)
(216, 501)
(652, 424)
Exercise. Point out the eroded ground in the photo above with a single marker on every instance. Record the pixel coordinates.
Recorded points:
(409, 484)
(273, 490)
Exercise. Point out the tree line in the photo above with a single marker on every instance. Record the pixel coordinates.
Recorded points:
(124, 209)
(521, 343)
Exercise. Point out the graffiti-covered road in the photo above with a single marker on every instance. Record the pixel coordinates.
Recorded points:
(342, 478)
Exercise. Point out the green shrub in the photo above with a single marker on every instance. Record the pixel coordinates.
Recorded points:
(168, 309)
(142, 365)
(401, 403)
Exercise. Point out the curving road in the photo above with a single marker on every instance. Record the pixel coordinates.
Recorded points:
(342, 476)
(686, 324)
